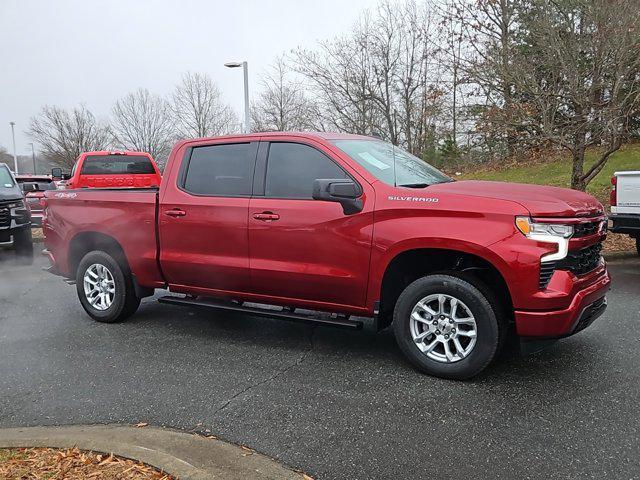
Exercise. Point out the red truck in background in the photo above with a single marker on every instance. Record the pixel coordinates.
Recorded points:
(33, 187)
(117, 169)
(344, 230)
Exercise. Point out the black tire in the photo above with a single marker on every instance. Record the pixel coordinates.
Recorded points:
(490, 329)
(638, 245)
(23, 246)
(125, 301)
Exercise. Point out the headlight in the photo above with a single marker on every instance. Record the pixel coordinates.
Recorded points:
(547, 233)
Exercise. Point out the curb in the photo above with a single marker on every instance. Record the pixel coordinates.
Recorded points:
(183, 455)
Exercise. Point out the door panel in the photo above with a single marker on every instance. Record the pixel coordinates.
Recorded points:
(308, 249)
(203, 237)
(207, 246)
(313, 251)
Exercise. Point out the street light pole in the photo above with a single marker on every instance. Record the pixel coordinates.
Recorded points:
(15, 157)
(247, 117)
(245, 68)
(33, 156)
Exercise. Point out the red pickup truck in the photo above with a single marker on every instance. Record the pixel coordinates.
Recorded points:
(113, 170)
(343, 230)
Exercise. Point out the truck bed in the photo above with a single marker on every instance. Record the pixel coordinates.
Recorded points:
(77, 218)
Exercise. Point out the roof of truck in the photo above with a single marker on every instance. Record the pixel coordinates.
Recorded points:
(256, 135)
(116, 152)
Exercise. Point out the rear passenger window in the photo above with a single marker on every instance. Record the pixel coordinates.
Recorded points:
(221, 170)
(292, 168)
(117, 165)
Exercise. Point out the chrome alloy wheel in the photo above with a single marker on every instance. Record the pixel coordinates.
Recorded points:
(99, 286)
(443, 328)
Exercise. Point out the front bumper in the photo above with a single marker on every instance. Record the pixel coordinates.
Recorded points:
(7, 233)
(587, 305)
(625, 223)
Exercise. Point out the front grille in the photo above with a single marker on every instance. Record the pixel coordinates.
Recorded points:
(586, 229)
(582, 261)
(546, 272)
(5, 214)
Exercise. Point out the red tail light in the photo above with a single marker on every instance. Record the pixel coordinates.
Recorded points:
(613, 198)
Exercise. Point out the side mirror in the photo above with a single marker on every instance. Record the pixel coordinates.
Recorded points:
(343, 191)
(56, 172)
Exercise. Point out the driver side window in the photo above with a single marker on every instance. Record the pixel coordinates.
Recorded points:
(293, 167)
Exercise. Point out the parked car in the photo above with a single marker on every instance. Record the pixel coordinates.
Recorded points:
(15, 219)
(114, 170)
(344, 230)
(33, 187)
(625, 204)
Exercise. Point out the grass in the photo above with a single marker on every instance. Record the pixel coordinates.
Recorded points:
(557, 172)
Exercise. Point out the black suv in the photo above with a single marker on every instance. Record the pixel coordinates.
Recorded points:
(15, 219)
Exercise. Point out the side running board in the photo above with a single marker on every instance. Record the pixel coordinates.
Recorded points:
(283, 313)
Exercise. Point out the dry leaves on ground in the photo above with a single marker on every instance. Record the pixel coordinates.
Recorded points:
(71, 464)
(37, 233)
(616, 242)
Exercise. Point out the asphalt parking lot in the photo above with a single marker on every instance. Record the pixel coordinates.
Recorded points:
(337, 404)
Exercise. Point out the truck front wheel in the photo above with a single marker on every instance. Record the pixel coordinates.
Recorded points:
(446, 326)
(105, 290)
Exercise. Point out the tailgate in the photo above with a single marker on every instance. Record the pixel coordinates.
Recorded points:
(119, 181)
(628, 192)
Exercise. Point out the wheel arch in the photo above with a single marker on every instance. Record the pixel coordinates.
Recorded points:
(409, 264)
(85, 242)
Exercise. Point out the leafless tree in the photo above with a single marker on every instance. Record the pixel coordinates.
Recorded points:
(480, 54)
(199, 110)
(383, 78)
(336, 73)
(577, 84)
(143, 121)
(282, 104)
(63, 135)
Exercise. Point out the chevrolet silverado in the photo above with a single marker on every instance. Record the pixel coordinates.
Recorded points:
(343, 230)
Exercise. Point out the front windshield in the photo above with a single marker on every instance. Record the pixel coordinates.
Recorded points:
(378, 158)
(6, 180)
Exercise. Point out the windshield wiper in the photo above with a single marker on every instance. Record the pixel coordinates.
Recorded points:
(414, 185)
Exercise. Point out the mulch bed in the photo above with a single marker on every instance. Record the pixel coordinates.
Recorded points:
(616, 242)
(72, 464)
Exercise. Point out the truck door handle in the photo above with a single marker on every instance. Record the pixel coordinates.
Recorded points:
(266, 216)
(176, 212)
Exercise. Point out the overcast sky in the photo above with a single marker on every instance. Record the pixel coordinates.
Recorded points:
(66, 52)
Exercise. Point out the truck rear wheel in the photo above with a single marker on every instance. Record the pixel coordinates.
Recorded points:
(447, 327)
(105, 289)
